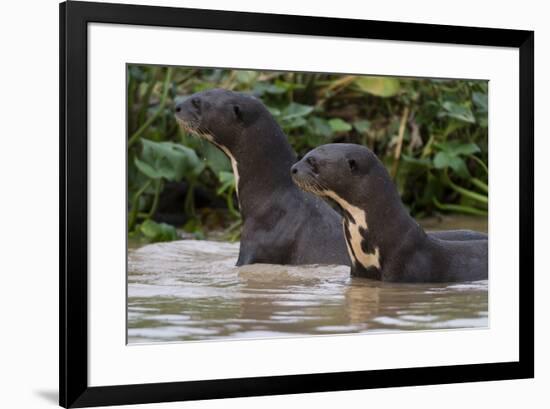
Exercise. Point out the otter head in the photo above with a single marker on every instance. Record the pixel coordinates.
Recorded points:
(349, 175)
(220, 116)
(346, 173)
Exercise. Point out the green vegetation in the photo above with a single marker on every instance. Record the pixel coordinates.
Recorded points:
(431, 134)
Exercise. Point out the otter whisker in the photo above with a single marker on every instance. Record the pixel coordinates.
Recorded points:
(311, 186)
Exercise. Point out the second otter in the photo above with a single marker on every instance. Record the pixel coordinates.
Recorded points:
(384, 241)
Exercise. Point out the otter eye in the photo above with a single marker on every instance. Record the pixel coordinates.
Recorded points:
(238, 113)
(313, 164)
(196, 103)
(352, 165)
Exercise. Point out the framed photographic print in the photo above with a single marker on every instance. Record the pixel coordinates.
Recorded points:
(256, 204)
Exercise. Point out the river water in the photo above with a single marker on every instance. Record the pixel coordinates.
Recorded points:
(190, 290)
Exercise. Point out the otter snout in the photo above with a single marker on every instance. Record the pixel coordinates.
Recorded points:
(305, 175)
(305, 169)
(189, 110)
(297, 170)
(307, 165)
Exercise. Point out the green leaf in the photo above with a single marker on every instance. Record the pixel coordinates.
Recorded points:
(215, 159)
(361, 126)
(288, 86)
(420, 162)
(262, 88)
(444, 160)
(314, 140)
(449, 156)
(480, 101)
(194, 226)
(295, 110)
(459, 166)
(156, 232)
(147, 169)
(320, 126)
(457, 111)
(246, 77)
(339, 125)
(227, 180)
(203, 86)
(457, 148)
(293, 123)
(293, 115)
(379, 86)
(168, 160)
(482, 104)
(274, 111)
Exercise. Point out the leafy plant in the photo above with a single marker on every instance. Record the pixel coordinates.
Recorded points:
(431, 134)
(452, 155)
(227, 188)
(158, 231)
(159, 162)
(168, 160)
(379, 86)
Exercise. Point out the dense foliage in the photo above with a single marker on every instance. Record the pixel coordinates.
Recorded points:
(431, 134)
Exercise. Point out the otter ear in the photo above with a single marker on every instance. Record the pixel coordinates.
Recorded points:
(352, 165)
(238, 112)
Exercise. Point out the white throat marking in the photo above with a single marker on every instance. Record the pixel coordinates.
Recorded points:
(365, 259)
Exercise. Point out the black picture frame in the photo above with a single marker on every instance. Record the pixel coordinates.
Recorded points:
(73, 349)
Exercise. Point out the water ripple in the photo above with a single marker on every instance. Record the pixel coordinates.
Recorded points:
(191, 290)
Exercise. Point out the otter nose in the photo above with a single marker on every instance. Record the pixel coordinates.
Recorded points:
(190, 104)
(294, 169)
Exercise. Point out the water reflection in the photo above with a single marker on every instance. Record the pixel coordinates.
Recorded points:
(190, 290)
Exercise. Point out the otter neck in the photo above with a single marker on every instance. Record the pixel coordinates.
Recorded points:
(262, 168)
(377, 230)
(391, 227)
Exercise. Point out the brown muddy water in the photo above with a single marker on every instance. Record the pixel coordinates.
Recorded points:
(190, 290)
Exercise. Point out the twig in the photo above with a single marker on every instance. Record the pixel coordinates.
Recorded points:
(189, 201)
(480, 163)
(465, 192)
(459, 208)
(480, 184)
(228, 82)
(147, 96)
(230, 205)
(154, 206)
(134, 138)
(135, 205)
(335, 87)
(399, 146)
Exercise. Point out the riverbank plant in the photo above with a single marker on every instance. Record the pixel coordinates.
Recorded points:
(430, 133)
